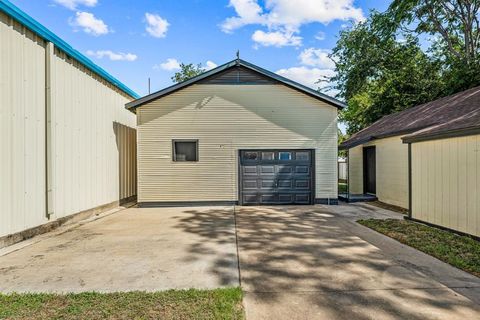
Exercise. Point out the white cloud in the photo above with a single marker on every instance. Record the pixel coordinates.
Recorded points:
(89, 23)
(156, 26)
(248, 12)
(307, 76)
(114, 56)
(73, 4)
(316, 58)
(320, 35)
(287, 16)
(210, 65)
(170, 64)
(276, 38)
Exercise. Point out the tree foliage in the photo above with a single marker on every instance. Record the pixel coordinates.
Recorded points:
(378, 74)
(187, 71)
(416, 51)
(455, 30)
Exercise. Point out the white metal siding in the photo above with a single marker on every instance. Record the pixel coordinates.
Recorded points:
(226, 118)
(391, 170)
(446, 183)
(22, 127)
(91, 129)
(94, 142)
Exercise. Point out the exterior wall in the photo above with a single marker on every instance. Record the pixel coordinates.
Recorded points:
(93, 140)
(446, 183)
(226, 118)
(391, 170)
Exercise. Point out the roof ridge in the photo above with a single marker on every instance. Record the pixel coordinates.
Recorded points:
(236, 63)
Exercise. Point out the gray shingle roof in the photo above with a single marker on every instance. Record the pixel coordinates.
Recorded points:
(458, 113)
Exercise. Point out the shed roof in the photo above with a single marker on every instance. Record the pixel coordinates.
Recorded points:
(457, 114)
(234, 64)
(22, 17)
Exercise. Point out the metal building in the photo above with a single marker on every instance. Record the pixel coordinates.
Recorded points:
(67, 144)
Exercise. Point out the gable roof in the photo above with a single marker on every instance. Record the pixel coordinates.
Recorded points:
(237, 63)
(20, 16)
(458, 113)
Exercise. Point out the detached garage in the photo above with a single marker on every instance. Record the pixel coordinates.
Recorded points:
(237, 134)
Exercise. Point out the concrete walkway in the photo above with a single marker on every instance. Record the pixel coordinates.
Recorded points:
(317, 263)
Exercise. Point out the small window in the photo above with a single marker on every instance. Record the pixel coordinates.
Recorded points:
(285, 156)
(250, 155)
(303, 155)
(185, 150)
(268, 155)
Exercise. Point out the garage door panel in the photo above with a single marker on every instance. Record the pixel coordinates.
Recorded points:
(250, 170)
(276, 177)
(268, 170)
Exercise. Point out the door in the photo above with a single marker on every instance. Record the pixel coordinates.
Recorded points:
(369, 170)
(276, 177)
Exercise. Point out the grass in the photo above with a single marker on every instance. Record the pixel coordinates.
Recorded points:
(462, 252)
(172, 304)
(342, 187)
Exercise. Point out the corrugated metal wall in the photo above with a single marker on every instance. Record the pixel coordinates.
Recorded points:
(226, 118)
(391, 170)
(446, 183)
(22, 127)
(93, 136)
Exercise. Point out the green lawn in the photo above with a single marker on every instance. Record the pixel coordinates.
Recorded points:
(342, 187)
(173, 304)
(462, 252)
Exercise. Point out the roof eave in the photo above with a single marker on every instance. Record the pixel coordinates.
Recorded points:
(36, 27)
(442, 135)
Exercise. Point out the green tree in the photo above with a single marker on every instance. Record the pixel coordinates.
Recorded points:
(187, 71)
(380, 72)
(455, 26)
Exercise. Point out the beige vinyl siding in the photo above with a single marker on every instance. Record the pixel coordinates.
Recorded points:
(93, 135)
(391, 170)
(226, 118)
(446, 183)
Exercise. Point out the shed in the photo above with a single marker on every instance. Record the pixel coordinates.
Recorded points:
(236, 134)
(426, 159)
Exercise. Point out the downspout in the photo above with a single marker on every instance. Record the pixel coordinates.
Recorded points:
(49, 123)
(409, 180)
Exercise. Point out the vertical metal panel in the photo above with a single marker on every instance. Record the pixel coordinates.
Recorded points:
(94, 140)
(446, 183)
(224, 119)
(391, 170)
(22, 127)
(87, 147)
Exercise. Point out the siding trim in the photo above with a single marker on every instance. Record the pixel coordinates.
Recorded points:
(410, 180)
(162, 204)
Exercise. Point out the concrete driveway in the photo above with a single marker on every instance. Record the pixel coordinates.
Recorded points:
(317, 263)
(134, 249)
(309, 262)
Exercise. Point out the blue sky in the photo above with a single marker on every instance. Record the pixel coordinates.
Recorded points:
(134, 40)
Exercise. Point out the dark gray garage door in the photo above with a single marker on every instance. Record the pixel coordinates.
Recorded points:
(276, 177)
